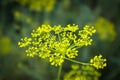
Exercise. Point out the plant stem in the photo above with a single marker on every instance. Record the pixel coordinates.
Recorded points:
(59, 72)
(59, 38)
(77, 61)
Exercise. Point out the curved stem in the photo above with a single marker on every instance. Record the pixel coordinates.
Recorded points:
(59, 37)
(77, 61)
(59, 72)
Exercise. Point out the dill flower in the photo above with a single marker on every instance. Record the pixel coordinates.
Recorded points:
(5, 45)
(57, 43)
(82, 73)
(105, 29)
(98, 62)
(38, 5)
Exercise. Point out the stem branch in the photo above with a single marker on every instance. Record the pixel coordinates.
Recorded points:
(77, 61)
(59, 72)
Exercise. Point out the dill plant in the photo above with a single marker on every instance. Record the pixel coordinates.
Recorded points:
(83, 72)
(38, 5)
(57, 44)
(105, 28)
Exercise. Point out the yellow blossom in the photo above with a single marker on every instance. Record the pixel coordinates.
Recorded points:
(82, 73)
(56, 42)
(98, 62)
(105, 29)
(38, 5)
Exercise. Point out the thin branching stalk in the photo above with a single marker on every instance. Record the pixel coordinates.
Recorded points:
(59, 72)
(77, 61)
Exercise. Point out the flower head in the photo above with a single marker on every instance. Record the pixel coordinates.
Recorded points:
(38, 5)
(105, 28)
(56, 43)
(98, 62)
(82, 73)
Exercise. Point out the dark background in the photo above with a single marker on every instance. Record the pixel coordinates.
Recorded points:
(19, 17)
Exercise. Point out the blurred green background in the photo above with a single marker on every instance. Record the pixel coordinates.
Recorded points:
(19, 17)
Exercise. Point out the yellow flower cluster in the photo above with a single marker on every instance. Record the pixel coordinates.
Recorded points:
(105, 29)
(5, 45)
(82, 73)
(38, 5)
(57, 43)
(98, 62)
(85, 39)
(25, 41)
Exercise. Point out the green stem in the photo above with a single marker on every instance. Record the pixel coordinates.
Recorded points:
(59, 37)
(59, 72)
(77, 61)
(72, 46)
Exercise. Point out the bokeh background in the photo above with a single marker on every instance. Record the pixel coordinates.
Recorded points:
(19, 17)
